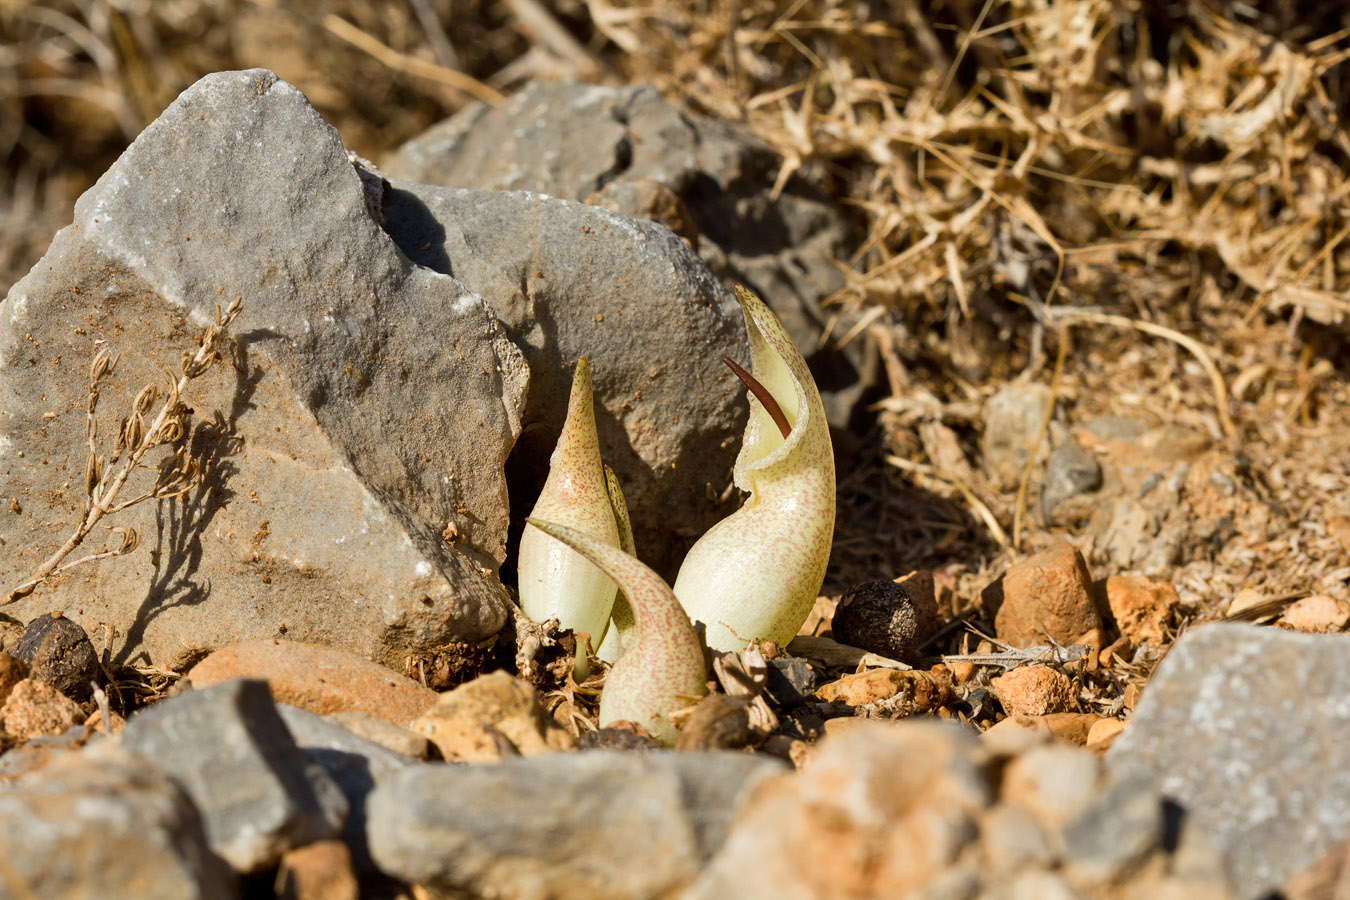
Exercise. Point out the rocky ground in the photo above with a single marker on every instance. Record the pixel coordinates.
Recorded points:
(1081, 634)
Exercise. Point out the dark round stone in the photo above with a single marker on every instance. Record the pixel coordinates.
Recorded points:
(59, 652)
(879, 616)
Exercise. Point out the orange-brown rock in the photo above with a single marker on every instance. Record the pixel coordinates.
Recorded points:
(318, 678)
(1103, 734)
(492, 717)
(1033, 691)
(319, 871)
(1142, 607)
(1318, 614)
(35, 708)
(916, 691)
(1048, 595)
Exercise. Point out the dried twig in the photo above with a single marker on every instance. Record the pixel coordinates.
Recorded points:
(178, 473)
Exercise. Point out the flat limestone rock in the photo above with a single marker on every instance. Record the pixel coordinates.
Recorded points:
(354, 491)
(1246, 728)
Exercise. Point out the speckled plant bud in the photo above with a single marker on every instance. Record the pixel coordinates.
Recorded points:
(755, 575)
(554, 579)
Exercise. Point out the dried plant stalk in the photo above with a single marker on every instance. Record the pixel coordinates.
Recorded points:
(105, 477)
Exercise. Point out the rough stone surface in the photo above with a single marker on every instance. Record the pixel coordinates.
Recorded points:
(59, 652)
(470, 723)
(569, 280)
(1245, 728)
(1033, 691)
(1013, 419)
(355, 764)
(711, 182)
(367, 402)
(1049, 594)
(258, 793)
(318, 678)
(1142, 607)
(552, 827)
(1069, 471)
(36, 708)
(106, 825)
(1103, 734)
(880, 811)
(1114, 833)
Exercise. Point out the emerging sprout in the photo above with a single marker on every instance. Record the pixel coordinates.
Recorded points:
(755, 575)
(556, 581)
(662, 666)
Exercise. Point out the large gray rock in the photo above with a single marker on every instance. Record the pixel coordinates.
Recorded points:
(600, 825)
(571, 280)
(259, 794)
(712, 182)
(1246, 728)
(370, 402)
(106, 824)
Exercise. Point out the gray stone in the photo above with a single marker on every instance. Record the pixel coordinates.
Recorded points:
(258, 793)
(789, 681)
(570, 280)
(106, 825)
(36, 753)
(629, 150)
(1246, 728)
(383, 732)
(594, 825)
(1013, 419)
(1123, 825)
(1069, 471)
(368, 402)
(355, 764)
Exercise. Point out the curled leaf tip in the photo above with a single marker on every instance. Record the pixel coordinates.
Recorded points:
(662, 667)
(756, 574)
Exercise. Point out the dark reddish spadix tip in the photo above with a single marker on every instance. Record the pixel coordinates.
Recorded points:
(762, 395)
